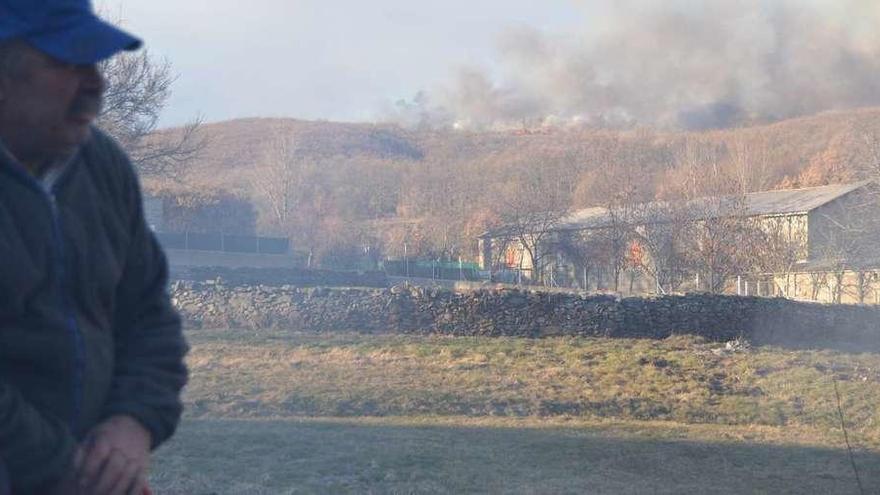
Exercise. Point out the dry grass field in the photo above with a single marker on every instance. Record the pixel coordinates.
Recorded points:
(280, 412)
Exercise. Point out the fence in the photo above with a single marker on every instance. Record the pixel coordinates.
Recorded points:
(224, 243)
(434, 270)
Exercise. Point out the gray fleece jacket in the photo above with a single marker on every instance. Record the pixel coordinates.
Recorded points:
(87, 329)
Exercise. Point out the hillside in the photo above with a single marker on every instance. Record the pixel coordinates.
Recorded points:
(438, 188)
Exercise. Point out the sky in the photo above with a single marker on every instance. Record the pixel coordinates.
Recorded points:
(338, 60)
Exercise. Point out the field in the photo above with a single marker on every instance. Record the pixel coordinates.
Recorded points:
(282, 412)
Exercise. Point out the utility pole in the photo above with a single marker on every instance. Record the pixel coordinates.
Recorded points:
(405, 260)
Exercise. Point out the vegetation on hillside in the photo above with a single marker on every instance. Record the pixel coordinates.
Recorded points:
(343, 190)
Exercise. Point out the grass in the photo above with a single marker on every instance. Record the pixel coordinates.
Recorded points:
(283, 412)
(496, 456)
(276, 375)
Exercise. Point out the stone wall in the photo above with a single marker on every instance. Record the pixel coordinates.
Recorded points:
(530, 314)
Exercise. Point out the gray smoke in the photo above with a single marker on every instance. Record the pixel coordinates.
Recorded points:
(693, 64)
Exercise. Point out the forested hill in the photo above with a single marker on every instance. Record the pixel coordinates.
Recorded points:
(331, 185)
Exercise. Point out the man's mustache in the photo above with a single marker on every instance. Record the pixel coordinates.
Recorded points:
(87, 105)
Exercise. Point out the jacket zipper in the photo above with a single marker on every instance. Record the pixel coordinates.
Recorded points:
(73, 330)
(72, 327)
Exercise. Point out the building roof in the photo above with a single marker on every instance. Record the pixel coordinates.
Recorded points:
(767, 203)
(588, 218)
(790, 201)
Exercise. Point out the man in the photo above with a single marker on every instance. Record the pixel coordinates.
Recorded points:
(91, 350)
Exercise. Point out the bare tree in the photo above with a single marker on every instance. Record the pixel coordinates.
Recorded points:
(697, 171)
(865, 284)
(751, 163)
(869, 168)
(720, 235)
(498, 257)
(782, 245)
(618, 236)
(619, 189)
(723, 241)
(293, 192)
(818, 281)
(587, 251)
(138, 88)
(531, 209)
(663, 232)
(277, 179)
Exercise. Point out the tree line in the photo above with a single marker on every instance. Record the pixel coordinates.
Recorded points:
(370, 192)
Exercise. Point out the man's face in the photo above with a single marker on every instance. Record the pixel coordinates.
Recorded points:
(46, 106)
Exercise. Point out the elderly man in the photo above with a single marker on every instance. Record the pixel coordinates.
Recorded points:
(91, 350)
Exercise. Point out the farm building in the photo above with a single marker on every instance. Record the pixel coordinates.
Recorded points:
(815, 243)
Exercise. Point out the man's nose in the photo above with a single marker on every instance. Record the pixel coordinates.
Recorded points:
(92, 78)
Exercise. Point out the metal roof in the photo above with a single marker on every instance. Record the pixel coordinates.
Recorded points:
(588, 218)
(782, 202)
(790, 201)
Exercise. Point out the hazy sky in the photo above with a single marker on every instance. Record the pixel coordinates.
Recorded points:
(323, 59)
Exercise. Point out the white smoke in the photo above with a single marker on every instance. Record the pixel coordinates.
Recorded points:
(682, 64)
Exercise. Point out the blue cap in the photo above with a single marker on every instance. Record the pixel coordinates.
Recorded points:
(68, 30)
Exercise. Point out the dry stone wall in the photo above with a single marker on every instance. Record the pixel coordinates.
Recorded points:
(529, 314)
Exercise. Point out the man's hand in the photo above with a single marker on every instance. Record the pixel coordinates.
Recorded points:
(114, 460)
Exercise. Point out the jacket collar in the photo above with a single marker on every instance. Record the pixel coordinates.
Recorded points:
(7, 158)
(48, 175)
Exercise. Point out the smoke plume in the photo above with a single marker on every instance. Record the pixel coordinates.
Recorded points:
(679, 64)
